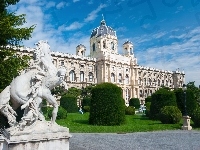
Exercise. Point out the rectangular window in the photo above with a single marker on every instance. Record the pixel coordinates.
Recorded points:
(62, 63)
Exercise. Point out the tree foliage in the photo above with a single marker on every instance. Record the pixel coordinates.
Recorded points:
(195, 90)
(10, 65)
(196, 117)
(162, 97)
(148, 99)
(86, 92)
(11, 33)
(74, 92)
(135, 102)
(69, 103)
(59, 90)
(188, 98)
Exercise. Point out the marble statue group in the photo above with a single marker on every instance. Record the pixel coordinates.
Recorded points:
(32, 86)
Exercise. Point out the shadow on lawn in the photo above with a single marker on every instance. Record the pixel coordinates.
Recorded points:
(81, 121)
(142, 118)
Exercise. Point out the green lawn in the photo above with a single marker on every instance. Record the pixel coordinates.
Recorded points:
(138, 123)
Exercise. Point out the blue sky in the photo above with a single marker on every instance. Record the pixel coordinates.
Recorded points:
(165, 33)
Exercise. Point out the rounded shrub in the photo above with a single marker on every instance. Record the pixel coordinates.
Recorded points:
(170, 115)
(147, 112)
(62, 113)
(196, 117)
(130, 110)
(69, 103)
(148, 99)
(159, 99)
(107, 105)
(86, 101)
(135, 102)
(191, 103)
(86, 108)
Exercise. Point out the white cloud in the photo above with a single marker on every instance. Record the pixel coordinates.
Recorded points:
(61, 5)
(121, 29)
(74, 1)
(50, 4)
(90, 2)
(92, 16)
(183, 54)
(77, 25)
(74, 26)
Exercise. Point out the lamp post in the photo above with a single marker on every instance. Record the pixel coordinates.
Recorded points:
(186, 118)
(184, 88)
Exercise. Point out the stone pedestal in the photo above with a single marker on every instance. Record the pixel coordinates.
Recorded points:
(39, 136)
(186, 123)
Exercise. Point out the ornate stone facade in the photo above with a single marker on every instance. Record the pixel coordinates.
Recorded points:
(105, 64)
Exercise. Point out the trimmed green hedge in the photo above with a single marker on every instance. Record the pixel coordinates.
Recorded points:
(147, 112)
(148, 99)
(69, 103)
(135, 102)
(107, 105)
(159, 99)
(170, 115)
(86, 108)
(62, 113)
(196, 117)
(130, 110)
(191, 103)
(86, 104)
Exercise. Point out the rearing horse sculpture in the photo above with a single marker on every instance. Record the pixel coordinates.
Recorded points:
(33, 85)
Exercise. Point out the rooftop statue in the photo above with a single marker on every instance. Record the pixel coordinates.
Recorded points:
(31, 87)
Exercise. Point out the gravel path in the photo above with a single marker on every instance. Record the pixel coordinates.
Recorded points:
(159, 140)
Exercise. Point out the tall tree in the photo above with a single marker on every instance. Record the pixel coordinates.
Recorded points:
(195, 90)
(11, 34)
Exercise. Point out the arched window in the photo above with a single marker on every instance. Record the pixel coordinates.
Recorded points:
(104, 44)
(93, 47)
(154, 82)
(112, 45)
(112, 77)
(141, 93)
(81, 76)
(131, 51)
(72, 75)
(99, 44)
(139, 81)
(163, 83)
(90, 76)
(149, 81)
(145, 81)
(120, 78)
(127, 95)
(170, 83)
(158, 82)
(166, 82)
(127, 79)
(62, 63)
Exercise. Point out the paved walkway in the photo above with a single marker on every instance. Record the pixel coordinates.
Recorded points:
(159, 140)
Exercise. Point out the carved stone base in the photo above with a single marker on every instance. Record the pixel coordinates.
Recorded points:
(186, 123)
(40, 136)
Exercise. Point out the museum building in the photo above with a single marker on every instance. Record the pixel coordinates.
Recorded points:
(105, 64)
